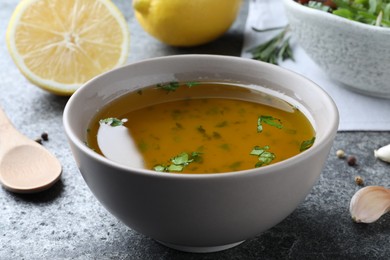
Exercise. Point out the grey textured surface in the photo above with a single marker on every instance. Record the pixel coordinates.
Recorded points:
(66, 221)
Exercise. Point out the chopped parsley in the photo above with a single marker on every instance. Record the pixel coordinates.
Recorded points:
(192, 84)
(112, 121)
(269, 120)
(307, 144)
(225, 147)
(222, 124)
(235, 165)
(216, 135)
(174, 85)
(179, 162)
(202, 131)
(265, 157)
(169, 87)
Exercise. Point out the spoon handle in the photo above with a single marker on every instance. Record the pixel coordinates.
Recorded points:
(4, 121)
(8, 133)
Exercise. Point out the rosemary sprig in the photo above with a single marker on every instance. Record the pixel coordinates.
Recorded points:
(274, 50)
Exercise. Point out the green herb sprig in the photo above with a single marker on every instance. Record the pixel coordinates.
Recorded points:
(275, 50)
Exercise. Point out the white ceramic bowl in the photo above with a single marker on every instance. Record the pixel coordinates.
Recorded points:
(353, 53)
(201, 212)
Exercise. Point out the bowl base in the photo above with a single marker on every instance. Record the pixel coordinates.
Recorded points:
(200, 249)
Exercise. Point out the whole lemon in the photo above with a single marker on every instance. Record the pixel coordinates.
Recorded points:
(186, 23)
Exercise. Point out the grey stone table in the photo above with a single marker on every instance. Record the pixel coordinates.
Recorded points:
(67, 222)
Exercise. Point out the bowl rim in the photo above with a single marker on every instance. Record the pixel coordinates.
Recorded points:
(341, 20)
(315, 149)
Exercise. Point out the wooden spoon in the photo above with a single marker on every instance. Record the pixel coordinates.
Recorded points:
(25, 165)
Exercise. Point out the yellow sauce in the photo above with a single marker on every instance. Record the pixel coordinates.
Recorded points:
(223, 128)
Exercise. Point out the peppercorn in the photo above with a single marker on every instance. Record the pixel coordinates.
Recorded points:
(340, 154)
(45, 136)
(351, 160)
(359, 181)
(38, 140)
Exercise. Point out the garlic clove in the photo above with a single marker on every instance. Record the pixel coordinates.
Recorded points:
(369, 204)
(383, 153)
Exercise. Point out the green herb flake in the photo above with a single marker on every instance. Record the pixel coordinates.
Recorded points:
(179, 162)
(169, 87)
(257, 150)
(159, 168)
(307, 144)
(181, 159)
(225, 147)
(196, 156)
(143, 146)
(111, 121)
(175, 168)
(216, 135)
(264, 156)
(222, 124)
(269, 120)
(235, 166)
(200, 149)
(201, 129)
(87, 144)
(191, 84)
(178, 126)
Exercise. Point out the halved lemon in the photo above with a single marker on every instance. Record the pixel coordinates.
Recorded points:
(60, 44)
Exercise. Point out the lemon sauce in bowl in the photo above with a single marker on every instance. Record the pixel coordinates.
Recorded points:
(199, 127)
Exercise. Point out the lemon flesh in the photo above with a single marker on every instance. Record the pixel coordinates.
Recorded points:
(60, 44)
(186, 23)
